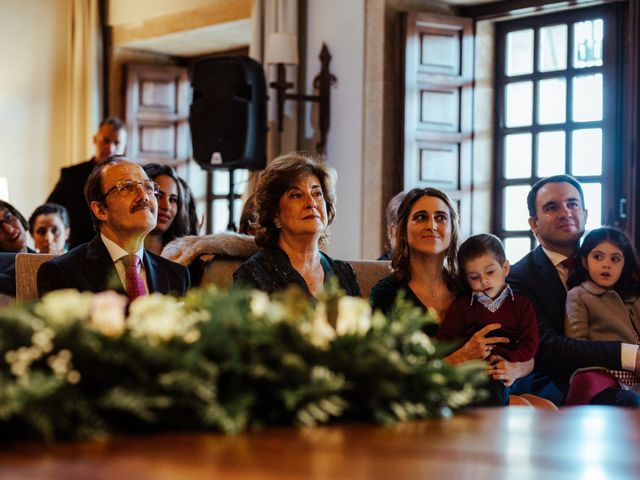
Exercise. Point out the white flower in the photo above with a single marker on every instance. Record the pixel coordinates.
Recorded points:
(259, 303)
(321, 332)
(159, 318)
(422, 340)
(107, 313)
(354, 316)
(64, 306)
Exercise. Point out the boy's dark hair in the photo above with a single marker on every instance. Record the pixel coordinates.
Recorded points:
(479, 245)
(628, 285)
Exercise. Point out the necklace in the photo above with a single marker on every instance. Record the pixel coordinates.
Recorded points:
(434, 291)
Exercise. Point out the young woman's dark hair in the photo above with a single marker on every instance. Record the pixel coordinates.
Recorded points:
(180, 225)
(628, 285)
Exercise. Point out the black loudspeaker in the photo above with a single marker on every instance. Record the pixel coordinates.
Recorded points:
(228, 114)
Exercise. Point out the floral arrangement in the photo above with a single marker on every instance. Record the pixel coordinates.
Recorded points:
(75, 365)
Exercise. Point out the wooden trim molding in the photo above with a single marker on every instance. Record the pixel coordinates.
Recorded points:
(219, 12)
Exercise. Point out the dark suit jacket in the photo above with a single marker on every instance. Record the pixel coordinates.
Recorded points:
(8, 273)
(69, 192)
(535, 277)
(89, 268)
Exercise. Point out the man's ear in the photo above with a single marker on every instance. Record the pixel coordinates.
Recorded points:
(533, 225)
(99, 210)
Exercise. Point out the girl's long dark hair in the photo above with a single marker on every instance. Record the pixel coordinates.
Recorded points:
(628, 285)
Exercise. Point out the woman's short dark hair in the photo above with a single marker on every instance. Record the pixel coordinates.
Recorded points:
(400, 256)
(628, 285)
(247, 217)
(279, 176)
(10, 208)
(180, 225)
(48, 209)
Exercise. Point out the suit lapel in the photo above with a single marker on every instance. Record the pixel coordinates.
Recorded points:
(552, 288)
(155, 282)
(99, 268)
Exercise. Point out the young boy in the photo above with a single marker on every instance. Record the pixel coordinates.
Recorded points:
(484, 266)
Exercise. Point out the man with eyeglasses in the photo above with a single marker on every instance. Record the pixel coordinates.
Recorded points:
(110, 139)
(122, 201)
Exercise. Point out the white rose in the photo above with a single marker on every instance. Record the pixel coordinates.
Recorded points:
(107, 313)
(259, 303)
(63, 306)
(321, 332)
(354, 316)
(159, 318)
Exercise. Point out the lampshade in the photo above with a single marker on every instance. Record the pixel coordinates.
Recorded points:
(282, 48)
(4, 189)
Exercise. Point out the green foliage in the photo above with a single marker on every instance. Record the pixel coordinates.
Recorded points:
(72, 365)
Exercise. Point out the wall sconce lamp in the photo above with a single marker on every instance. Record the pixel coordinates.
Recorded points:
(282, 49)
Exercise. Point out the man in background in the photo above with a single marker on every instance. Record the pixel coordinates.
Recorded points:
(110, 139)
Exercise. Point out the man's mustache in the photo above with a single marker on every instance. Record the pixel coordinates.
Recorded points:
(144, 203)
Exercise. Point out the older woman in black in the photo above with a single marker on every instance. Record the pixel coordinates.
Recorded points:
(294, 204)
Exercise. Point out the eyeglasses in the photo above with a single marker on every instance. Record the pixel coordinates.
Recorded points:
(129, 187)
(9, 218)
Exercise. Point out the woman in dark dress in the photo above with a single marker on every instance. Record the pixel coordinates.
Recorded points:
(294, 203)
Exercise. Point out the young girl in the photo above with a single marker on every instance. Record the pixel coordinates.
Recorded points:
(604, 304)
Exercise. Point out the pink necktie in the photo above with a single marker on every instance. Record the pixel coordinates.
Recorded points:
(133, 281)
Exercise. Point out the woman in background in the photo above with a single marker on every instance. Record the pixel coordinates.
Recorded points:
(173, 221)
(294, 203)
(49, 228)
(13, 229)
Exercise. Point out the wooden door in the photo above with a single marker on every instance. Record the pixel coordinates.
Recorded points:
(157, 114)
(438, 107)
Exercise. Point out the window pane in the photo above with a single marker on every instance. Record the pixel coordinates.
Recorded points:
(240, 181)
(586, 156)
(593, 203)
(220, 215)
(552, 100)
(551, 153)
(553, 48)
(587, 43)
(221, 183)
(519, 102)
(516, 248)
(587, 98)
(517, 156)
(516, 215)
(520, 52)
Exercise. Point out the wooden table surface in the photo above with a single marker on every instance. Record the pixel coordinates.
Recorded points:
(588, 443)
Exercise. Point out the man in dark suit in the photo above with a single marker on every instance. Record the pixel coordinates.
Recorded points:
(557, 218)
(110, 139)
(123, 203)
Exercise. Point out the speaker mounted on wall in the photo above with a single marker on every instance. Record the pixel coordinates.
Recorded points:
(228, 113)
